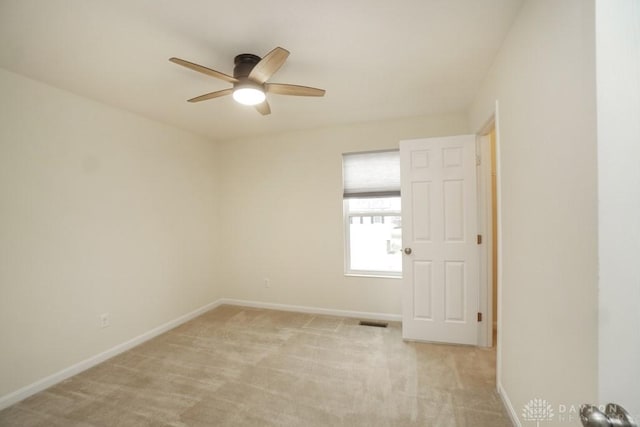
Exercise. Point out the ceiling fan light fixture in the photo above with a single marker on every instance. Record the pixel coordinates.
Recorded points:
(250, 80)
(249, 95)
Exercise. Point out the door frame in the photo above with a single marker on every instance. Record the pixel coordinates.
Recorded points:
(493, 122)
(485, 229)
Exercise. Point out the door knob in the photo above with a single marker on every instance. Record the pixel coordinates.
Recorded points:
(407, 251)
(614, 415)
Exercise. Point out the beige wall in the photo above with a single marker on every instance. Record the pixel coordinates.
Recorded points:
(544, 81)
(100, 211)
(282, 214)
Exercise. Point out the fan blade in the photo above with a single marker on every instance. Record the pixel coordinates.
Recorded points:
(263, 108)
(285, 89)
(268, 65)
(211, 95)
(204, 70)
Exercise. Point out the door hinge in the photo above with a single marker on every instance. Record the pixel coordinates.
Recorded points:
(479, 239)
(479, 317)
(478, 160)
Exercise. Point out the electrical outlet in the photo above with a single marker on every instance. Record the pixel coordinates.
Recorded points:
(267, 283)
(105, 320)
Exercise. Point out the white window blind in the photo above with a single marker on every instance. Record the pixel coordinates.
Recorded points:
(372, 174)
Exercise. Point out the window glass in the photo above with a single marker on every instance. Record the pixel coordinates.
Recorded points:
(374, 236)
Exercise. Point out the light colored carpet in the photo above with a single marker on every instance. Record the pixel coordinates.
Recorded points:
(237, 366)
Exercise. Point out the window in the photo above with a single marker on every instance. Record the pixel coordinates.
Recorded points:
(373, 224)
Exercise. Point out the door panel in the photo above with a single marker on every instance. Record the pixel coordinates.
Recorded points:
(441, 277)
(453, 193)
(423, 299)
(454, 285)
(421, 192)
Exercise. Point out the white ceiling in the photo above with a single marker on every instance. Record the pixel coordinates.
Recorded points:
(377, 59)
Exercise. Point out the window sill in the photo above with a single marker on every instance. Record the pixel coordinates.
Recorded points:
(372, 275)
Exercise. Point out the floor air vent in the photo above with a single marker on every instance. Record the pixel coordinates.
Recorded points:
(376, 324)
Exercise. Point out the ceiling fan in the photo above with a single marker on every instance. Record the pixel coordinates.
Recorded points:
(249, 79)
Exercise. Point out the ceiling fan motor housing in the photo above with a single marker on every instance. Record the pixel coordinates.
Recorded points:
(244, 63)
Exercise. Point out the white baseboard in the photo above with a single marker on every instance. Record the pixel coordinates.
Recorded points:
(313, 310)
(24, 392)
(507, 404)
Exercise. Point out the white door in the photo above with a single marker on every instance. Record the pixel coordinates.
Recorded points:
(439, 223)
